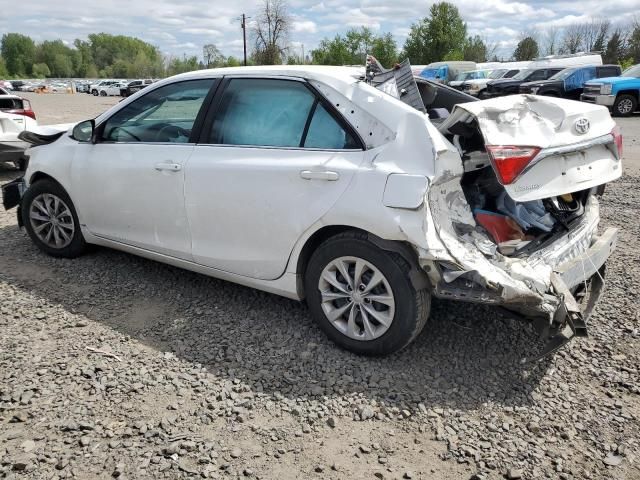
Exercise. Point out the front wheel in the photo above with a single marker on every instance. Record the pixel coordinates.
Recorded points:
(624, 105)
(51, 220)
(362, 297)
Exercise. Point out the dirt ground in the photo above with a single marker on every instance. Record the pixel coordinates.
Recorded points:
(115, 366)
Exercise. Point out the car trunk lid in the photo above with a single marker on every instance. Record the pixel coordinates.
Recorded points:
(543, 147)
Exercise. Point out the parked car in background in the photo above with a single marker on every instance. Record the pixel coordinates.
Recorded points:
(569, 83)
(620, 94)
(391, 210)
(16, 116)
(477, 87)
(6, 85)
(111, 90)
(463, 77)
(94, 88)
(16, 84)
(81, 86)
(445, 72)
(135, 86)
(508, 86)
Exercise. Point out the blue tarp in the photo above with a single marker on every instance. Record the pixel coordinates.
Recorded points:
(578, 78)
(441, 73)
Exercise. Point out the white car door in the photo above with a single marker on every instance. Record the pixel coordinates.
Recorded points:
(272, 160)
(129, 184)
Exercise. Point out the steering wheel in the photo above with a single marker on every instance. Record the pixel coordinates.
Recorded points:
(171, 131)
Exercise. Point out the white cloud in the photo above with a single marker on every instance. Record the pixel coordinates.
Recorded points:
(304, 26)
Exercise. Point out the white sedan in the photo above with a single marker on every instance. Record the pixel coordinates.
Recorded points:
(311, 183)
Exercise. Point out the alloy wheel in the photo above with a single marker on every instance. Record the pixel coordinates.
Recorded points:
(51, 220)
(624, 106)
(356, 298)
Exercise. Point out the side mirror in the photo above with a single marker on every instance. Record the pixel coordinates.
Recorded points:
(83, 132)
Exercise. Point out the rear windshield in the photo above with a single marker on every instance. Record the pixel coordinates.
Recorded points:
(10, 103)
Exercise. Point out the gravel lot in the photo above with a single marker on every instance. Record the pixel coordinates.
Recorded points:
(115, 366)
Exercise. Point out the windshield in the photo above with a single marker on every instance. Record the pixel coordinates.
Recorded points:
(632, 72)
(523, 74)
(471, 75)
(497, 73)
(563, 74)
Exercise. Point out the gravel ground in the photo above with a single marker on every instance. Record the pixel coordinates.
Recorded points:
(115, 366)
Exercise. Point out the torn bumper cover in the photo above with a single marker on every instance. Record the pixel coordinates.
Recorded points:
(12, 194)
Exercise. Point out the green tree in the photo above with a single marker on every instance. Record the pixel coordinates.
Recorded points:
(615, 51)
(4, 73)
(332, 52)
(62, 66)
(634, 42)
(437, 36)
(385, 50)
(40, 70)
(180, 65)
(527, 49)
(475, 50)
(18, 52)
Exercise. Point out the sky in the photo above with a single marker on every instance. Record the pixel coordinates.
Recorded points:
(179, 28)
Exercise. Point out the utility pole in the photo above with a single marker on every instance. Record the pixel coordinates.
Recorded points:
(244, 37)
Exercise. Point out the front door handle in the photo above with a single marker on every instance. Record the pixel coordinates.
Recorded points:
(171, 167)
(325, 175)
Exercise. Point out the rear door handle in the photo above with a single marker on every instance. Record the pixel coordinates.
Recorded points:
(171, 167)
(325, 175)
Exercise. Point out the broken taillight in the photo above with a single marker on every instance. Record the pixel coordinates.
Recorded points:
(509, 160)
(617, 138)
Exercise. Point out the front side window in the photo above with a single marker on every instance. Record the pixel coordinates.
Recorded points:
(166, 114)
(275, 113)
(537, 75)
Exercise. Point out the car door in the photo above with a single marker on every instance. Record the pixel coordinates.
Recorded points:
(274, 157)
(130, 181)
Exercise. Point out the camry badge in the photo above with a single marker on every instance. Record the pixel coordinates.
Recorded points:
(582, 126)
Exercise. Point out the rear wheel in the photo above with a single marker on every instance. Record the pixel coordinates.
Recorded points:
(103, 93)
(625, 105)
(362, 297)
(51, 220)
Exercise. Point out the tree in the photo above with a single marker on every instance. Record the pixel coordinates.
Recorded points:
(615, 50)
(4, 73)
(527, 49)
(332, 52)
(634, 41)
(270, 31)
(385, 50)
(573, 38)
(40, 70)
(180, 65)
(475, 50)
(434, 37)
(551, 35)
(18, 52)
(212, 56)
(594, 34)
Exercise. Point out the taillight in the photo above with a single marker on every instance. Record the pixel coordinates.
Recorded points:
(22, 111)
(509, 160)
(617, 138)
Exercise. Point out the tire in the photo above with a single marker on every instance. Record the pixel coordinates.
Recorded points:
(94, 93)
(405, 315)
(103, 93)
(44, 192)
(625, 105)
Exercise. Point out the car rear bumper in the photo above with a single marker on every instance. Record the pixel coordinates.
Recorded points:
(607, 100)
(12, 151)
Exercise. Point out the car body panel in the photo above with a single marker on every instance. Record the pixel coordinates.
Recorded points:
(399, 140)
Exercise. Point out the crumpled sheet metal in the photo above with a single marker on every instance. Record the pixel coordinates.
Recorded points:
(532, 120)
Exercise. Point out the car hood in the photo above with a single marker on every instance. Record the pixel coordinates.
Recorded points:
(45, 134)
(619, 80)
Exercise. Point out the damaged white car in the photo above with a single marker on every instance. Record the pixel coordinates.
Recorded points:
(310, 182)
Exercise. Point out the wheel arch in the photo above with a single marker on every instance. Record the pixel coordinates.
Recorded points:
(418, 276)
(634, 93)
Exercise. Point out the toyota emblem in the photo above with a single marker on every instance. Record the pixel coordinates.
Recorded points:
(582, 126)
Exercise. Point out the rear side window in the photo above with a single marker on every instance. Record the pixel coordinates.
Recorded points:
(537, 75)
(608, 72)
(276, 113)
(511, 73)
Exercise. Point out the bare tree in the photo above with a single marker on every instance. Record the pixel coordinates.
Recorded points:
(211, 55)
(270, 31)
(551, 40)
(573, 38)
(595, 34)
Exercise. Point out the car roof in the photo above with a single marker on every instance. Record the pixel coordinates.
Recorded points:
(348, 74)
